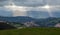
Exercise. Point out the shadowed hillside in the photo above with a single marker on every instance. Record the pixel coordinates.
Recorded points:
(4, 25)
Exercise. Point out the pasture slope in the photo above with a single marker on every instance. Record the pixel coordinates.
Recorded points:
(31, 31)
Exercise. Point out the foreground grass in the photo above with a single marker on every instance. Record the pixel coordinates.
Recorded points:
(31, 31)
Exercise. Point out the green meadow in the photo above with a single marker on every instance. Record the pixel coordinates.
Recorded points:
(31, 31)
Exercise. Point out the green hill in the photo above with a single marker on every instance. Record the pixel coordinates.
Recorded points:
(31, 31)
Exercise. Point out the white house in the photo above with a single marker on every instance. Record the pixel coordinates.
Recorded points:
(57, 25)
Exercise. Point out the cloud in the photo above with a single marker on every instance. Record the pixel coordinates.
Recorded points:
(28, 8)
(32, 3)
(38, 14)
(56, 14)
(2, 0)
(18, 10)
(5, 12)
(37, 2)
(24, 2)
(53, 2)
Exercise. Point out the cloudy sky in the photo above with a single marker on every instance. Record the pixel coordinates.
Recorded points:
(31, 8)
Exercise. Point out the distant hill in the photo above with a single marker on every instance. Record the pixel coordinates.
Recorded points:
(16, 19)
(43, 22)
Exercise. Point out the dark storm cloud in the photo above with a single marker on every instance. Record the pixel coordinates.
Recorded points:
(37, 2)
(32, 2)
(2, 0)
(53, 2)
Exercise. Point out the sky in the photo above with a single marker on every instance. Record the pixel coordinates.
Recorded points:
(31, 8)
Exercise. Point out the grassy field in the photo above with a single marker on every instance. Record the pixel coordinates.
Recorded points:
(31, 31)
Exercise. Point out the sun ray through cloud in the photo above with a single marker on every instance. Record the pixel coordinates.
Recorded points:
(49, 8)
(17, 10)
(22, 10)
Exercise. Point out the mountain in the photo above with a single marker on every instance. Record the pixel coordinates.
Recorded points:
(28, 21)
(16, 19)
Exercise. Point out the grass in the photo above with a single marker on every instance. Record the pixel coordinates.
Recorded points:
(31, 31)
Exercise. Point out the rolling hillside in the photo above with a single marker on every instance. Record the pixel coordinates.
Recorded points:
(31, 31)
(42, 22)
